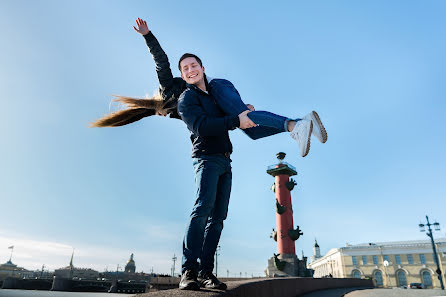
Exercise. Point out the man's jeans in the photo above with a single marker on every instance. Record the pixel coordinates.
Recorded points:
(213, 178)
(229, 100)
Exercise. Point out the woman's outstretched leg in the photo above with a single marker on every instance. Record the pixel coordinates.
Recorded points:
(229, 100)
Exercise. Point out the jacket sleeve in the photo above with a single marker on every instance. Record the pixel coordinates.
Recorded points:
(199, 122)
(162, 64)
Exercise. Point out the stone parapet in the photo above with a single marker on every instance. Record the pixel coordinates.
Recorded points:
(269, 287)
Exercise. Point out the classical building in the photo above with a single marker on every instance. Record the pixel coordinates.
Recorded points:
(129, 273)
(10, 269)
(389, 264)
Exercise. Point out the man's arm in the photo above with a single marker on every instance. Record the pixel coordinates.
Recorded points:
(162, 64)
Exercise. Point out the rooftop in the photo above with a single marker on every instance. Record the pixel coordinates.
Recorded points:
(395, 243)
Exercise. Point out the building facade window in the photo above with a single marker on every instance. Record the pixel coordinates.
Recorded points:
(398, 259)
(364, 260)
(427, 279)
(355, 262)
(375, 260)
(356, 274)
(409, 259)
(401, 277)
(386, 258)
(422, 259)
(379, 278)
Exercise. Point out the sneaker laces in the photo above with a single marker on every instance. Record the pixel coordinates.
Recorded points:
(211, 276)
(191, 274)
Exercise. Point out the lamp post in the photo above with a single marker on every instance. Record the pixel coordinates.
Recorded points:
(386, 264)
(117, 273)
(331, 267)
(41, 273)
(174, 259)
(216, 260)
(429, 233)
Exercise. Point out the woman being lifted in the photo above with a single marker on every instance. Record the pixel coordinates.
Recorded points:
(255, 124)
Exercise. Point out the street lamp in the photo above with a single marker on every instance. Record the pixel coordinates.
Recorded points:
(422, 229)
(429, 233)
(216, 260)
(174, 258)
(386, 264)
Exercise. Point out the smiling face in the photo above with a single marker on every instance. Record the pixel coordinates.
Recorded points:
(191, 71)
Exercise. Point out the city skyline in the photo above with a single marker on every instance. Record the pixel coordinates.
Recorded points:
(372, 70)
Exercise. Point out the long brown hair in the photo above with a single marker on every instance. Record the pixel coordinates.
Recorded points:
(136, 109)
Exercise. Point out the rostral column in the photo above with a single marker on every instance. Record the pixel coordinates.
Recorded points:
(285, 263)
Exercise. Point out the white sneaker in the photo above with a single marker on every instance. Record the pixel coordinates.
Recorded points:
(302, 134)
(318, 128)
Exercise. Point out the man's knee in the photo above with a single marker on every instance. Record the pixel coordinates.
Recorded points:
(203, 210)
(217, 222)
(216, 227)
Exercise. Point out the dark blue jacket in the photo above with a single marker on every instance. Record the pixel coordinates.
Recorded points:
(206, 122)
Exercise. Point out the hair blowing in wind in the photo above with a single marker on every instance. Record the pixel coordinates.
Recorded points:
(136, 109)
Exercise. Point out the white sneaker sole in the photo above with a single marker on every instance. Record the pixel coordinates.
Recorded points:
(320, 126)
(307, 149)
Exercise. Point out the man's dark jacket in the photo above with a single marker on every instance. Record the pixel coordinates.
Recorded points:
(206, 122)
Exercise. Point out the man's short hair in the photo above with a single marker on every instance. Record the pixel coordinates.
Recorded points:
(188, 55)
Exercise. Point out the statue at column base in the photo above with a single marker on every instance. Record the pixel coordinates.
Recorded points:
(293, 266)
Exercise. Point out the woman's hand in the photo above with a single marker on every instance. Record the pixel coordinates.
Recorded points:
(162, 113)
(142, 27)
(250, 107)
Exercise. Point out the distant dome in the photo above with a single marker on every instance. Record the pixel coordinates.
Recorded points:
(9, 264)
(130, 267)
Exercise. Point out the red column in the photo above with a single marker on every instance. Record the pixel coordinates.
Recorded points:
(284, 221)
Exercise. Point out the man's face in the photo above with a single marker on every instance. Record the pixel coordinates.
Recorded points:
(191, 71)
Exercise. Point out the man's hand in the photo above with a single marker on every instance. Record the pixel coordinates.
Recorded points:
(142, 27)
(245, 122)
(251, 107)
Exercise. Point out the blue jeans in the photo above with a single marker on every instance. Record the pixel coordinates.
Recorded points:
(213, 178)
(229, 100)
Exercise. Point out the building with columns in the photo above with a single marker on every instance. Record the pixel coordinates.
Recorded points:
(389, 264)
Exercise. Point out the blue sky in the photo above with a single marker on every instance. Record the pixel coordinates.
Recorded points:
(374, 70)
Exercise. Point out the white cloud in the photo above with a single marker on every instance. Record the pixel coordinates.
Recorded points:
(32, 254)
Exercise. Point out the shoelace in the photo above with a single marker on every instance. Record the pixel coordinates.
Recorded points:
(191, 274)
(211, 277)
